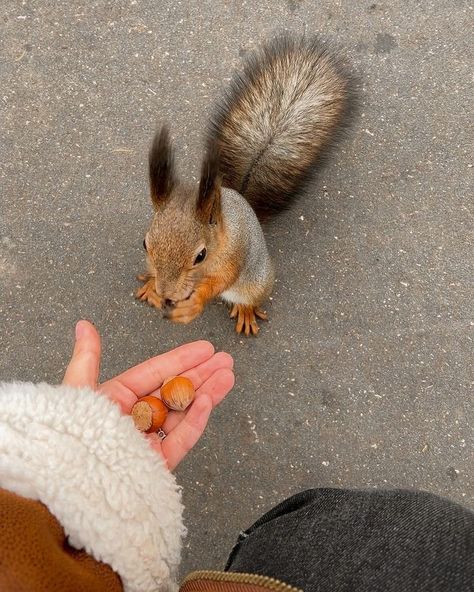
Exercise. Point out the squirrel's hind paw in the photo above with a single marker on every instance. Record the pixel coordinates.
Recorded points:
(246, 318)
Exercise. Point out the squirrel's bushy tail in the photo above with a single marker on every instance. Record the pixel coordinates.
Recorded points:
(279, 114)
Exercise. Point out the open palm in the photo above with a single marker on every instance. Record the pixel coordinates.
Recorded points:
(211, 374)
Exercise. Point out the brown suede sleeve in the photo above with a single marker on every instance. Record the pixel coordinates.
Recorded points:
(35, 556)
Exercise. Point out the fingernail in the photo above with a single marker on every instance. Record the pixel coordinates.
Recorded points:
(80, 329)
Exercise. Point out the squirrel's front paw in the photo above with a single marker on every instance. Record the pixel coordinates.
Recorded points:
(247, 318)
(147, 292)
(185, 311)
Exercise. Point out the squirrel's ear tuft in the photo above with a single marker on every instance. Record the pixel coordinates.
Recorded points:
(161, 167)
(208, 204)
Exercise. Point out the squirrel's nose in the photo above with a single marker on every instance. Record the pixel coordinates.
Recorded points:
(169, 303)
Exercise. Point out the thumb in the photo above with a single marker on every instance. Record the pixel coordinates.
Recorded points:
(83, 369)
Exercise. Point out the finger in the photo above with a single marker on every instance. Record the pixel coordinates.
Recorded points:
(124, 397)
(216, 387)
(185, 435)
(83, 369)
(149, 375)
(204, 371)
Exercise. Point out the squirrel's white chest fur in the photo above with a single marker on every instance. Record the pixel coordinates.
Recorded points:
(234, 297)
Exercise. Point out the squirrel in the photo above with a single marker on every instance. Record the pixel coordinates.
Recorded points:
(265, 137)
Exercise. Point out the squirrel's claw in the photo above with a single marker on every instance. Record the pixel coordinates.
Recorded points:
(261, 314)
(247, 318)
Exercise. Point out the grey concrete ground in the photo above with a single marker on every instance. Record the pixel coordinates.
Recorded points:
(362, 377)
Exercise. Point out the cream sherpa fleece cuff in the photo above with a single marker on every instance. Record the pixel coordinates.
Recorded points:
(73, 450)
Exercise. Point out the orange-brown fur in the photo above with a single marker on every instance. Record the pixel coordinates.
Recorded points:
(210, 287)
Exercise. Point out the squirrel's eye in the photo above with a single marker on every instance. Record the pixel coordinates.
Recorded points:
(200, 257)
(144, 244)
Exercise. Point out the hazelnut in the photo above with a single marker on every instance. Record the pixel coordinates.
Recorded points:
(177, 393)
(149, 414)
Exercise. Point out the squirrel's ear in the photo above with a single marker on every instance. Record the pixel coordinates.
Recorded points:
(208, 204)
(161, 167)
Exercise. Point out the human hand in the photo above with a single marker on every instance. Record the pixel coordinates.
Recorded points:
(210, 373)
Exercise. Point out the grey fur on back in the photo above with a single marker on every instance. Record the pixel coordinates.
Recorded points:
(276, 119)
(246, 235)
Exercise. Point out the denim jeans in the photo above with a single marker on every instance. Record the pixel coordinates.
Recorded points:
(334, 540)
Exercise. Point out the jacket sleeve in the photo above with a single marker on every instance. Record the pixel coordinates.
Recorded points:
(74, 451)
(35, 555)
